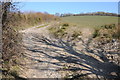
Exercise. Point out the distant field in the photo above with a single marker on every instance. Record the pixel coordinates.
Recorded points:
(90, 21)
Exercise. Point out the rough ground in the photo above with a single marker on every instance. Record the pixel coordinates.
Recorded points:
(39, 66)
(53, 58)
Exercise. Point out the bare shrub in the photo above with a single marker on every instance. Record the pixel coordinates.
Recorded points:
(11, 39)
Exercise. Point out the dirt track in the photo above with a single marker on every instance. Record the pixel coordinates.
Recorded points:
(52, 58)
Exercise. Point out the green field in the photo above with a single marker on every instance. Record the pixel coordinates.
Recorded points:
(90, 21)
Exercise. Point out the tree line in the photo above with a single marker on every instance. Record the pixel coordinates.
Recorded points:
(88, 14)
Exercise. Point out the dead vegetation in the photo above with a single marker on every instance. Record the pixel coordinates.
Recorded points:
(30, 19)
(11, 43)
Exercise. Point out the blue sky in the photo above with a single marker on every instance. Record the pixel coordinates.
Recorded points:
(69, 7)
